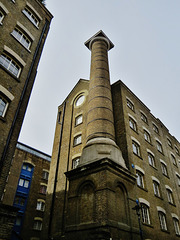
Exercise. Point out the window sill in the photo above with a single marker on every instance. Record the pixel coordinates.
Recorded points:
(166, 175)
(144, 189)
(2, 119)
(147, 225)
(148, 142)
(172, 204)
(158, 197)
(137, 156)
(134, 130)
(166, 231)
(161, 152)
(153, 167)
(77, 144)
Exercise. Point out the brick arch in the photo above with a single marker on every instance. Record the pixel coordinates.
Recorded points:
(86, 202)
(121, 203)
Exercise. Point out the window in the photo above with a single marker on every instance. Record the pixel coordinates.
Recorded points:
(75, 162)
(156, 189)
(1, 16)
(140, 179)
(130, 104)
(18, 221)
(10, 65)
(145, 214)
(43, 189)
(77, 140)
(45, 175)
(136, 148)
(147, 136)
(177, 150)
(132, 124)
(22, 38)
(155, 128)
(19, 200)
(144, 118)
(80, 100)
(176, 226)
(27, 167)
(169, 142)
(78, 120)
(170, 196)
(178, 179)
(173, 159)
(164, 169)
(40, 205)
(159, 147)
(31, 16)
(151, 160)
(3, 106)
(23, 183)
(37, 225)
(162, 220)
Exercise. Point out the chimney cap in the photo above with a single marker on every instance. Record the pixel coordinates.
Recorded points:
(98, 34)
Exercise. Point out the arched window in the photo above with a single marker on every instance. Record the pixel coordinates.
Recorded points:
(145, 213)
(162, 220)
(86, 203)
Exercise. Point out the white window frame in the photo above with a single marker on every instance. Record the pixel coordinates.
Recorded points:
(156, 187)
(132, 124)
(130, 104)
(21, 37)
(162, 220)
(40, 205)
(170, 196)
(145, 213)
(3, 106)
(77, 140)
(23, 183)
(136, 148)
(45, 174)
(140, 178)
(42, 188)
(37, 224)
(151, 160)
(144, 117)
(8, 63)
(159, 146)
(176, 224)
(75, 162)
(147, 136)
(78, 120)
(29, 13)
(155, 128)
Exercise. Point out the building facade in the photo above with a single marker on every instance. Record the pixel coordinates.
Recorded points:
(26, 190)
(24, 26)
(115, 167)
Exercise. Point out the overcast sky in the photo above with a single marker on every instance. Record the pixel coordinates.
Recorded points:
(146, 57)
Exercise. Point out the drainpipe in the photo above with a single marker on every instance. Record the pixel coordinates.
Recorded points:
(56, 176)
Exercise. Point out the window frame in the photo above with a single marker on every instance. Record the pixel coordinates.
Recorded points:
(80, 116)
(37, 225)
(2, 16)
(140, 179)
(132, 124)
(45, 174)
(130, 104)
(156, 188)
(147, 136)
(164, 167)
(173, 159)
(77, 140)
(145, 215)
(162, 221)
(159, 146)
(155, 128)
(8, 62)
(24, 183)
(176, 226)
(40, 205)
(75, 162)
(136, 148)
(170, 196)
(43, 189)
(20, 35)
(4, 108)
(32, 16)
(151, 160)
(144, 118)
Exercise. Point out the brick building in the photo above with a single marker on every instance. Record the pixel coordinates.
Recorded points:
(115, 171)
(24, 26)
(26, 190)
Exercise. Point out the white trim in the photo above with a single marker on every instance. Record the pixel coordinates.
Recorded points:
(177, 174)
(4, 8)
(163, 162)
(149, 151)
(142, 200)
(161, 209)
(139, 169)
(43, 184)
(155, 179)
(146, 130)
(25, 30)
(130, 100)
(77, 134)
(174, 216)
(31, 7)
(132, 117)
(158, 140)
(134, 139)
(29, 161)
(172, 154)
(76, 156)
(9, 50)
(41, 200)
(38, 219)
(168, 187)
(143, 113)
(45, 170)
(6, 93)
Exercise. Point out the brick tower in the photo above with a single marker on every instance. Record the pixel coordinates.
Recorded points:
(96, 186)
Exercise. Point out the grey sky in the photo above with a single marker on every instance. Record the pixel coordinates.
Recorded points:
(146, 57)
